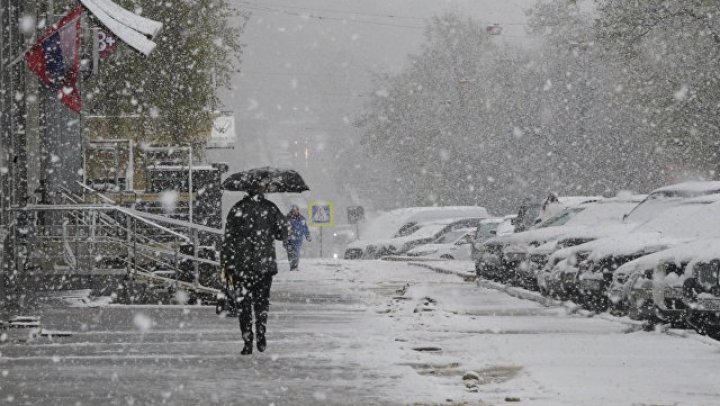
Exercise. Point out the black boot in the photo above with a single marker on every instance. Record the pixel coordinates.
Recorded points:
(261, 343)
(247, 349)
(248, 339)
(260, 329)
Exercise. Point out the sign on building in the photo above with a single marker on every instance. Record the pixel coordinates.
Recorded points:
(222, 135)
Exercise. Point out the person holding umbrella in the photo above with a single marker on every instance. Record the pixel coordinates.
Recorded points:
(298, 231)
(248, 250)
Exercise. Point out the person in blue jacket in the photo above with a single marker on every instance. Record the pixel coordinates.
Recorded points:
(298, 232)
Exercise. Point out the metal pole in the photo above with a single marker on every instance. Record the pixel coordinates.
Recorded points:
(190, 183)
(130, 253)
(11, 113)
(321, 242)
(3, 152)
(134, 247)
(196, 252)
(81, 80)
(116, 157)
(130, 175)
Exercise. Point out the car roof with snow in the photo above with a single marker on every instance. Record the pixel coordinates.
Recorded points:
(688, 189)
(587, 219)
(669, 196)
(424, 231)
(692, 219)
(386, 225)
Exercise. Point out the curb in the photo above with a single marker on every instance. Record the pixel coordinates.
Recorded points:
(573, 309)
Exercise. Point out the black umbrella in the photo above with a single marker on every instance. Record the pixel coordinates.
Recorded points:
(267, 180)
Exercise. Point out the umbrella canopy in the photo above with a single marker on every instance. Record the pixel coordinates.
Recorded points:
(267, 180)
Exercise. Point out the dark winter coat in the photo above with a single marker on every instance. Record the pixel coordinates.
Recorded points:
(298, 229)
(252, 227)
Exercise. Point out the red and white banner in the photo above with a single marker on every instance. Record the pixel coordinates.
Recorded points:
(55, 59)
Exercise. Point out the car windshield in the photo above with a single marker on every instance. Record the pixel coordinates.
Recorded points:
(527, 214)
(689, 219)
(561, 218)
(602, 212)
(450, 237)
(425, 231)
(658, 202)
(485, 231)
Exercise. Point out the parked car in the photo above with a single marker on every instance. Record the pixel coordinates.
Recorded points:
(572, 226)
(701, 291)
(554, 204)
(653, 230)
(688, 220)
(675, 286)
(422, 233)
(454, 244)
(559, 281)
(600, 219)
(403, 222)
(491, 261)
(489, 228)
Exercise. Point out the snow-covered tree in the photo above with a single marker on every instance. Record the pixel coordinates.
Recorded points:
(173, 89)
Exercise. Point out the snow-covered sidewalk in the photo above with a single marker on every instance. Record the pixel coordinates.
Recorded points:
(359, 332)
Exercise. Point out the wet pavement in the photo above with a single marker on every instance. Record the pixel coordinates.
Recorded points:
(355, 333)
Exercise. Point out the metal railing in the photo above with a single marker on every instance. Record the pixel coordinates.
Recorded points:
(79, 237)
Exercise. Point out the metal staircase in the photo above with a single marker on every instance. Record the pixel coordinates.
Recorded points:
(88, 241)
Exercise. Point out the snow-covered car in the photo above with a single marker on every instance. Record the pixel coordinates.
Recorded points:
(422, 233)
(490, 262)
(599, 219)
(403, 222)
(674, 280)
(670, 285)
(559, 278)
(490, 228)
(454, 244)
(701, 291)
(572, 226)
(689, 220)
(531, 213)
(553, 204)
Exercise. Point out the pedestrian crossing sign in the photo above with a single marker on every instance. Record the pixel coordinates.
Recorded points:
(321, 214)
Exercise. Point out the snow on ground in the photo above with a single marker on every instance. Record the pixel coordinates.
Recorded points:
(363, 332)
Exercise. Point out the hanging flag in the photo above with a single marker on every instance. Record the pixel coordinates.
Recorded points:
(55, 59)
(107, 43)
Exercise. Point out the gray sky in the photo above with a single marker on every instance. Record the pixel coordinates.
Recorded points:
(308, 67)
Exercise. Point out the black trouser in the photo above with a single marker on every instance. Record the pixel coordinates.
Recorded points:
(253, 294)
